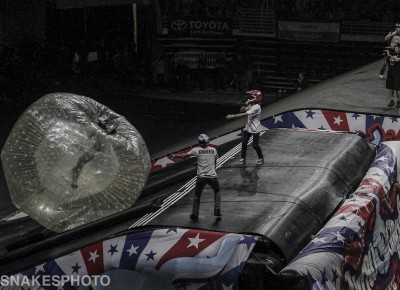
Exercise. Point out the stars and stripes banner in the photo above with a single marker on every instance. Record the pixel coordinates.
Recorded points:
(157, 259)
(373, 128)
(359, 246)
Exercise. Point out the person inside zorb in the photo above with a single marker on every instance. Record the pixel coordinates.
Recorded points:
(103, 123)
(69, 160)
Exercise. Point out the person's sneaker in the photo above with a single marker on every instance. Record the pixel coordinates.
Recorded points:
(380, 77)
(260, 161)
(194, 217)
(242, 161)
(391, 104)
(398, 104)
(217, 212)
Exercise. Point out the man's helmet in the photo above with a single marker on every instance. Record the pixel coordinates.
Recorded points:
(256, 97)
(203, 140)
(104, 120)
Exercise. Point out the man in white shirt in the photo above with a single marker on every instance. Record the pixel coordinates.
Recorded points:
(206, 174)
(253, 125)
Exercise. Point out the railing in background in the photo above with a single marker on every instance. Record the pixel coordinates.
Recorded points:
(191, 57)
(366, 28)
(365, 31)
(260, 22)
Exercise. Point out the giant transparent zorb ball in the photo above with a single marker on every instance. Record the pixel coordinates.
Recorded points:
(47, 143)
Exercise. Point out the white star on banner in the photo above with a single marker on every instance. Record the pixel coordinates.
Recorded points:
(93, 256)
(39, 268)
(132, 250)
(318, 240)
(164, 162)
(278, 119)
(339, 237)
(337, 120)
(195, 241)
(374, 184)
(382, 158)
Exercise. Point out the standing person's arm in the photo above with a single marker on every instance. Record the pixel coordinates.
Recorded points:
(183, 155)
(243, 112)
(390, 35)
(395, 58)
(233, 116)
(179, 155)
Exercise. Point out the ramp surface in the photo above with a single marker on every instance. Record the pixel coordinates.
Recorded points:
(305, 177)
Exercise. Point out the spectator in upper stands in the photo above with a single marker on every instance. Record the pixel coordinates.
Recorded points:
(186, 10)
(257, 75)
(393, 37)
(393, 76)
(301, 82)
(160, 67)
(239, 70)
(103, 54)
(181, 76)
(220, 72)
(202, 71)
(197, 9)
(388, 15)
(83, 53)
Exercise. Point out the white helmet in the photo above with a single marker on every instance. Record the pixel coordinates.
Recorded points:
(203, 140)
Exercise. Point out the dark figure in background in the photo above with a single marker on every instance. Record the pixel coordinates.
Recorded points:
(160, 68)
(239, 70)
(220, 73)
(301, 82)
(202, 72)
(253, 125)
(103, 55)
(393, 38)
(83, 53)
(206, 174)
(148, 72)
(102, 122)
(393, 76)
(181, 76)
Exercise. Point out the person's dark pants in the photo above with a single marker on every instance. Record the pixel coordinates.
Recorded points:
(384, 65)
(393, 78)
(245, 141)
(200, 184)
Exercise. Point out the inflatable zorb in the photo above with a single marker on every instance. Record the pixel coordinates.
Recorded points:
(70, 160)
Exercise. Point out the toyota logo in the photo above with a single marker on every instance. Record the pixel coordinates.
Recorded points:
(179, 25)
